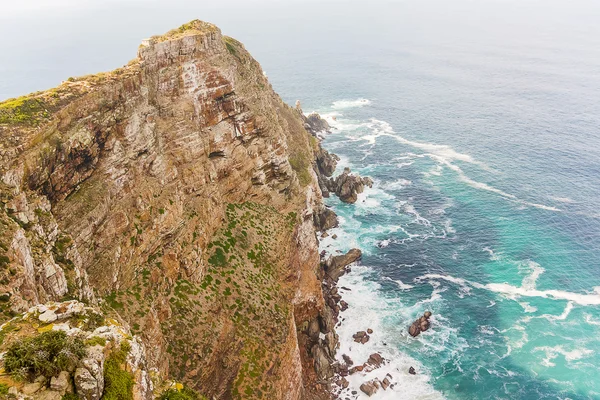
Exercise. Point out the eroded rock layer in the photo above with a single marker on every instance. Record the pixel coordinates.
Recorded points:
(179, 193)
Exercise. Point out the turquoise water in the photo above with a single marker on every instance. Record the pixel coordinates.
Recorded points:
(479, 122)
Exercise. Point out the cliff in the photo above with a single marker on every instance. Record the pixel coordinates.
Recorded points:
(178, 194)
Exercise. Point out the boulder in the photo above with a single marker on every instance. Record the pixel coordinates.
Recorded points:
(369, 388)
(322, 362)
(347, 359)
(89, 378)
(335, 266)
(31, 388)
(420, 325)
(348, 186)
(88, 387)
(375, 360)
(48, 395)
(325, 219)
(369, 331)
(61, 382)
(412, 371)
(385, 383)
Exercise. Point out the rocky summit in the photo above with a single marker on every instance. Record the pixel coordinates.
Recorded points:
(159, 222)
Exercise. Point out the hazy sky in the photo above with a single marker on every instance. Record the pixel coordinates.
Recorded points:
(46, 41)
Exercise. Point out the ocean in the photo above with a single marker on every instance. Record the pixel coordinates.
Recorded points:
(479, 122)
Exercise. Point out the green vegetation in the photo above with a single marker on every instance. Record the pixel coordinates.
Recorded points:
(70, 396)
(95, 341)
(184, 394)
(300, 163)
(23, 110)
(46, 354)
(118, 383)
(3, 389)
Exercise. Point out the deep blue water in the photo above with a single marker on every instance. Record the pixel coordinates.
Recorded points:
(479, 122)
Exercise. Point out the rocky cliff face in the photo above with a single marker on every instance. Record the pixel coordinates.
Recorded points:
(177, 193)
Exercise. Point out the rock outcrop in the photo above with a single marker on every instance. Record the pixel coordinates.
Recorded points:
(348, 186)
(420, 325)
(103, 339)
(335, 266)
(179, 192)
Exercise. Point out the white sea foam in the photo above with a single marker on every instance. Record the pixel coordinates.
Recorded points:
(403, 286)
(590, 320)
(367, 310)
(535, 270)
(554, 352)
(493, 255)
(446, 155)
(343, 104)
(563, 199)
(513, 292)
(398, 184)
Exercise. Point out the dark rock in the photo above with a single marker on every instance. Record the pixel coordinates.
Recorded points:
(334, 236)
(420, 325)
(369, 331)
(385, 383)
(322, 362)
(375, 360)
(325, 219)
(343, 305)
(347, 359)
(348, 186)
(335, 266)
(369, 388)
(365, 339)
(359, 335)
(412, 371)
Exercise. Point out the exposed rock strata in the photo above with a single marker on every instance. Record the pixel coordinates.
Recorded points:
(180, 192)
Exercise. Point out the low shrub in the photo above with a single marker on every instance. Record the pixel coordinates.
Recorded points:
(184, 394)
(118, 383)
(46, 354)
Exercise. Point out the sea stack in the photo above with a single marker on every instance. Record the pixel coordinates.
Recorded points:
(420, 325)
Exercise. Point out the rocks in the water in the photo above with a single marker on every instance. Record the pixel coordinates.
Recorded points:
(343, 305)
(369, 331)
(348, 186)
(369, 388)
(335, 266)
(412, 371)
(347, 359)
(420, 325)
(334, 236)
(361, 337)
(325, 219)
(385, 383)
(375, 360)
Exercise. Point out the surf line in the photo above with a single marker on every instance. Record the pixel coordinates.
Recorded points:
(510, 290)
(445, 155)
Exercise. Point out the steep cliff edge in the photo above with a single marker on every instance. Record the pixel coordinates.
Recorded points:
(178, 193)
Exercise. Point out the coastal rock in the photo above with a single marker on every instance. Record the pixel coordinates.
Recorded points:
(420, 325)
(375, 360)
(348, 186)
(369, 388)
(322, 362)
(335, 266)
(326, 219)
(412, 371)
